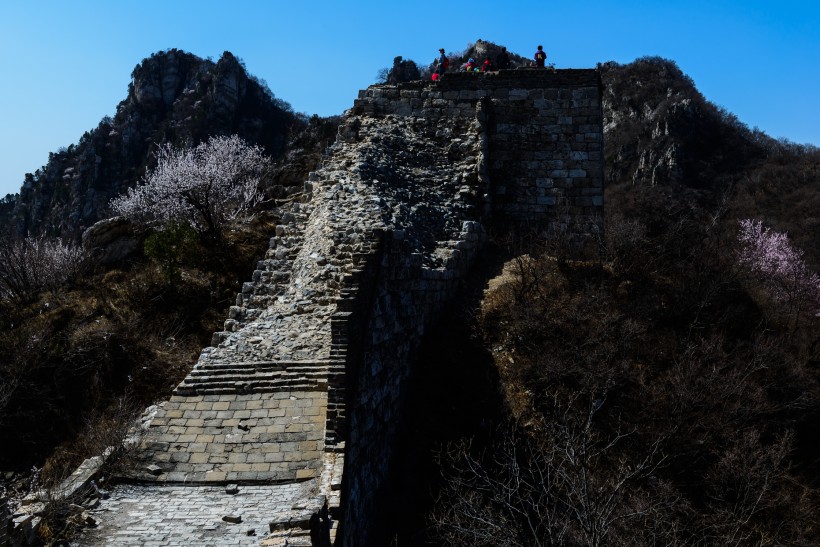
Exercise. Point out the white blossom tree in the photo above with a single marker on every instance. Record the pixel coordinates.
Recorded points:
(207, 186)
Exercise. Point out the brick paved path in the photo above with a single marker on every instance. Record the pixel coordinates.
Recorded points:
(140, 515)
(270, 437)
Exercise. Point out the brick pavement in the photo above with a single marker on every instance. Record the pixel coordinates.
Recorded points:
(270, 437)
(176, 515)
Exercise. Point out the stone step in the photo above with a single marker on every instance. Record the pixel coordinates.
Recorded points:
(227, 371)
(267, 365)
(269, 377)
(248, 387)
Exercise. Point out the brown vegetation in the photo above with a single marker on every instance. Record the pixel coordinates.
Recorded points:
(652, 398)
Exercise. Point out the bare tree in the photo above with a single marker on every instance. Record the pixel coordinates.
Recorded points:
(744, 492)
(33, 264)
(566, 483)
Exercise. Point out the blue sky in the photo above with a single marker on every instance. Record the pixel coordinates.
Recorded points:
(66, 64)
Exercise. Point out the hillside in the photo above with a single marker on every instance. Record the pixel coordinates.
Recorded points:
(663, 394)
(665, 142)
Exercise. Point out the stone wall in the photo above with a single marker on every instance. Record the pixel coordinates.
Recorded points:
(530, 145)
(402, 306)
(544, 132)
(307, 383)
(430, 230)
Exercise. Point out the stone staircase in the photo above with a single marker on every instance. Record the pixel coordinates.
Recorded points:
(271, 376)
(272, 276)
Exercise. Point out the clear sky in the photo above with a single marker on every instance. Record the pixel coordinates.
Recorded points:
(66, 64)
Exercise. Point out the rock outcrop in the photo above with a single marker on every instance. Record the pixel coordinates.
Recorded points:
(111, 240)
(662, 131)
(173, 97)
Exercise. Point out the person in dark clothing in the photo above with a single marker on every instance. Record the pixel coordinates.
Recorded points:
(502, 60)
(540, 57)
(443, 63)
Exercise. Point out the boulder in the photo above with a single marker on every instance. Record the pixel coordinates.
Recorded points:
(111, 240)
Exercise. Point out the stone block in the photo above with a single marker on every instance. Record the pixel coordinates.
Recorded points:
(302, 474)
(187, 438)
(180, 457)
(216, 476)
(199, 458)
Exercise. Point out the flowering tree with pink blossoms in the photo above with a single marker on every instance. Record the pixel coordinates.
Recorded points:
(207, 186)
(770, 257)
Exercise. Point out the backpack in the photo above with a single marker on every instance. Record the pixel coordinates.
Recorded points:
(446, 63)
(540, 55)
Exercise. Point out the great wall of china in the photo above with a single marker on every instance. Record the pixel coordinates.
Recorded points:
(296, 402)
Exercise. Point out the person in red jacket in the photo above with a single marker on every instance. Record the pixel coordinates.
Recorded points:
(540, 57)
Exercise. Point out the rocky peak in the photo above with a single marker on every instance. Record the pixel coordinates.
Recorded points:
(160, 79)
(174, 97)
(660, 130)
(229, 84)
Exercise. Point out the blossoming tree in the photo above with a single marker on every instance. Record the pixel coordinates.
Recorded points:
(207, 186)
(779, 267)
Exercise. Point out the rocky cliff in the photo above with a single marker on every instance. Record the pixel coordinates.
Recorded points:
(173, 97)
(663, 131)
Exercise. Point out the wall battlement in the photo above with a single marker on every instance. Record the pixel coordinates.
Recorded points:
(298, 400)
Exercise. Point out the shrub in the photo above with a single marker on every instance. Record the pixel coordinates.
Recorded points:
(172, 247)
(207, 186)
(33, 264)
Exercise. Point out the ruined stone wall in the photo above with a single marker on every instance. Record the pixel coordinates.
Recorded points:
(304, 389)
(430, 230)
(544, 129)
(403, 305)
(530, 148)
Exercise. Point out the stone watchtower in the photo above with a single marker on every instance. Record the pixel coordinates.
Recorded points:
(541, 160)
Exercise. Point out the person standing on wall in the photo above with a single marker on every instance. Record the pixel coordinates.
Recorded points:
(502, 61)
(540, 57)
(443, 62)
